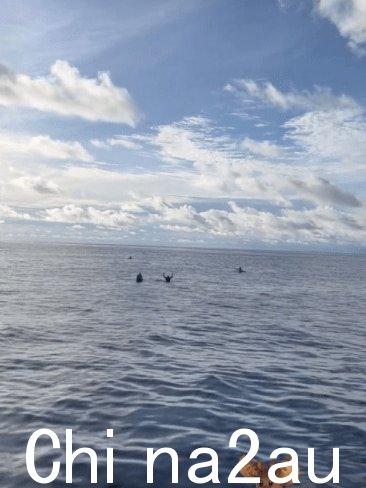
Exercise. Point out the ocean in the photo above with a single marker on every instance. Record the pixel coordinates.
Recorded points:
(278, 349)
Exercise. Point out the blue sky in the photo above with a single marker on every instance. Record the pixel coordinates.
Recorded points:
(234, 123)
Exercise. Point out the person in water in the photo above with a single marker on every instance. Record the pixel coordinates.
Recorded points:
(139, 278)
(241, 270)
(168, 277)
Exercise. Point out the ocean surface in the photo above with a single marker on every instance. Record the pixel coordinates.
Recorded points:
(279, 349)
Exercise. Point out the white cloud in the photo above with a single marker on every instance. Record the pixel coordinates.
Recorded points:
(319, 224)
(124, 141)
(336, 136)
(73, 214)
(265, 92)
(195, 158)
(9, 213)
(132, 142)
(218, 165)
(65, 92)
(349, 16)
(261, 148)
(190, 140)
(12, 144)
(99, 144)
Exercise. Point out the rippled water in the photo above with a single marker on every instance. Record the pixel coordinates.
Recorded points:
(278, 349)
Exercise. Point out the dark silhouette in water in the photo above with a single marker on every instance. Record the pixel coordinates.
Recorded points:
(168, 277)
(241, 270)
(130, 257)
(139, 278)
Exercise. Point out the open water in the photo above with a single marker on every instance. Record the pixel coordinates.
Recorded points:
(279, 349)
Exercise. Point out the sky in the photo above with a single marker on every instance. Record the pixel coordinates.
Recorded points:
(210, 123)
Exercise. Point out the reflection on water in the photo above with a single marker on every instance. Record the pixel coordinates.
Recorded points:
(278, 349)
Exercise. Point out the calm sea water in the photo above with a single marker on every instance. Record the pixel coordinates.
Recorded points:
(278, 349)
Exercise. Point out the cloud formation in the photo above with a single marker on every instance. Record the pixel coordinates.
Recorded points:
(73, 214)
(261, 148)
(200, 177)
(12, 144)
(325, 192)
(36, 183)
(349, 16)
(334, 135)
(65, 92)
(319, 99)
(317, 225)
(216, 164)
(124, 141)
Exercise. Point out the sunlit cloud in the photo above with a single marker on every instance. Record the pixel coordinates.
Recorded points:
(66, 92)
(289, 187)
(13, 145)
(349, 16)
